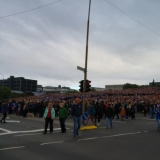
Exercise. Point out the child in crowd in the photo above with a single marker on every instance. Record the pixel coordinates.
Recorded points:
(122, 113)
(62, 117)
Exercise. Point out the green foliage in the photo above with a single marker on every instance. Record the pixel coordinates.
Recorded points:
(128, 85)
(74, 91)
(17, 95)
(93, 89)
(5, 92)
(144, 86)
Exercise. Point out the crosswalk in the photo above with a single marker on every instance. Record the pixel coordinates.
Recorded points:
(8, 132)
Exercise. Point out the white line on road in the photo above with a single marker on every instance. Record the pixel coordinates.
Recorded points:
(117, 135)
(86, 139)
(51, 143)
(31, 131)
(2, 149)
(13, 121)
(8, 131)
(21, 135)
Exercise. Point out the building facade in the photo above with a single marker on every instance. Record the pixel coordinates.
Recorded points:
(114, 87)
(19, 84)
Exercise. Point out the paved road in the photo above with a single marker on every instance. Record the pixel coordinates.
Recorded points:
(22, 139)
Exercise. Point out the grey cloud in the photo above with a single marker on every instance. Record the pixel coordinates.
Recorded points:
(48, 44)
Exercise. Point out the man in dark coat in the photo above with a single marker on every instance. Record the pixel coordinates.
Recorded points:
(116, 110)
(109, 115)
(76, 113)
(4, 110)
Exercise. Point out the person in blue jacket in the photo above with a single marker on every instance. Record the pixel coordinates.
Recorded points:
(157, 111)
(4, 110)
(91, 111)
(76, 112)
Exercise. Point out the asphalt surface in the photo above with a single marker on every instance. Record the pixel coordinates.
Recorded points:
(22, 139)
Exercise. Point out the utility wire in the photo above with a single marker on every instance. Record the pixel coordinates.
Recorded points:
(30, 9)
(132, 18)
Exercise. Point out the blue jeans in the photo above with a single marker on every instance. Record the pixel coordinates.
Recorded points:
(158, 121)
(107, 121)
(151, 113)
(77, 125)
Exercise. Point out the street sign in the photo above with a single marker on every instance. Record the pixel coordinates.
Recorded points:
(80, 68)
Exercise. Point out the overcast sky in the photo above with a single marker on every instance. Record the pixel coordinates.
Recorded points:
(49, 43)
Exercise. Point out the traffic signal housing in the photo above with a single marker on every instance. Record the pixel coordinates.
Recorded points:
(88, 85)
(81, 85)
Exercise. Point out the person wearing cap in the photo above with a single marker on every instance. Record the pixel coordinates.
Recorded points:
(157, 112)
(76, 112)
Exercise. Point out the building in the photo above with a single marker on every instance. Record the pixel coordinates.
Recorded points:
(39, 88)
(98, 89)
(19, 84)
(50, 89)
(114, 87)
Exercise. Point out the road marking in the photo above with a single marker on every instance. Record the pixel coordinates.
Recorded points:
(118, 135)
(8, 131)
(2, 149)
(21, 135)
(31, 131)
(145, 131)
(86, 139)
(13, 121)
(26, 135)
(51, 143)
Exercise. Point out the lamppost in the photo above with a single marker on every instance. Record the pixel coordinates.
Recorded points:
(2, 87)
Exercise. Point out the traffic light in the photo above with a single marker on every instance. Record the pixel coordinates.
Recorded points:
(88, 85)
(81, 86)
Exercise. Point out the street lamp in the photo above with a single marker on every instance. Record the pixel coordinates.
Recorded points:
(2, 87)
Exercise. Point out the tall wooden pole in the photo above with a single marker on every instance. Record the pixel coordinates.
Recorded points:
(86, 59)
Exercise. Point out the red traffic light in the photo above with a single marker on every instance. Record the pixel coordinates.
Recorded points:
(88, 85)
(88, 82)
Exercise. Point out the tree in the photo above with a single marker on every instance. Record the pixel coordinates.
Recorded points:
(5, 92)
(128, 85)
(93, 89)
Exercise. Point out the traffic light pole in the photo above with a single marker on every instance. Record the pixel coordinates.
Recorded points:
(86, 60)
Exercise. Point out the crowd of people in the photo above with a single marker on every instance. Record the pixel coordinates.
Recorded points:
(101, 104)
